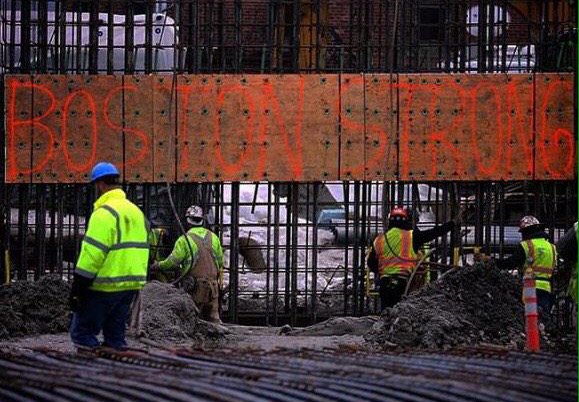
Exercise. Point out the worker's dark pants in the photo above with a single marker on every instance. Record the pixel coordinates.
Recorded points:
(544, 304)
(106, 311)
(391, 290)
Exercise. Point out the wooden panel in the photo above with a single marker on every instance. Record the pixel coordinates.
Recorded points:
(138, 127)
(517, 90)
(381, 155)
(258, 128)
(194, 135)
(312, 102)
(165, 112)
(556, 153)
(73, 130)
(291, 127)
(218, 139)
(353, 129)
(18, 101)
(108, 97)
(461, 127)
(49, 157)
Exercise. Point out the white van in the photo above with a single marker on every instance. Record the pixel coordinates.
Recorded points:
(77, 39)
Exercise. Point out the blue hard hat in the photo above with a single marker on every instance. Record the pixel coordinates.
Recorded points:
(103, 169)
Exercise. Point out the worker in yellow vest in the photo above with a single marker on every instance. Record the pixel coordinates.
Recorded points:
(395, 254)
(535, 252)
(112, 266)
(199, 256)
(567, 249)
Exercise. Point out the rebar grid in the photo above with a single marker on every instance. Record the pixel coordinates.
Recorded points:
(321, 261)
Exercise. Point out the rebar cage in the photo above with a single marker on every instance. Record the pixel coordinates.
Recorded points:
(295, 251)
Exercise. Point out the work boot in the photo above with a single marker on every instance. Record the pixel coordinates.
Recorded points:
(82, 350)
(214, 311)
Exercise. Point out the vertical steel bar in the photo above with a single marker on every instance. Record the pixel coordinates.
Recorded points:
(314, 298)
(294, 207)
(276, 256)
(234, 254)
(356, 251)
(93, 37)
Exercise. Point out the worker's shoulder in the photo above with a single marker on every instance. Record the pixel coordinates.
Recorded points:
(125, 206)
(183, 240)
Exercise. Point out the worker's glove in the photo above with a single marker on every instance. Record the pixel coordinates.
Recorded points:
(78, 292)
(155, 268)
(74, 303)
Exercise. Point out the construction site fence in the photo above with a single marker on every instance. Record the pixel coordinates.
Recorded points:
(311, 236)
(200, 128)
(294, 252)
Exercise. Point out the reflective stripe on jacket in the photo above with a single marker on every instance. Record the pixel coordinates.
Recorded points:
(541, 256)
(181, 254)
(115, 248)
(395, 253)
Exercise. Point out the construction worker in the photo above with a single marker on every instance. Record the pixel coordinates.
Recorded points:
(534, 251)
(200, 257)
(112, 266)
(567, 249)
(395, 254)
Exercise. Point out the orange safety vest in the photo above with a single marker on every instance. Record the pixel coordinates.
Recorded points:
(395, 253)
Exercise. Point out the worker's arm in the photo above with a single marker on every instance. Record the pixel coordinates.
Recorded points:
(516, 260)
(421, 237)
(372, 261)
(179, 255)
(99, 237)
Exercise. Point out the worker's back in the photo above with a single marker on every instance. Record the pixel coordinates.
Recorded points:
(541, 256)
(115, 248)
(206, 265)
(395, 253)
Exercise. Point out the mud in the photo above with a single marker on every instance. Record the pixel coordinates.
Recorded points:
(336, 326)
(473, 305)
(169, 315)
(34, 308)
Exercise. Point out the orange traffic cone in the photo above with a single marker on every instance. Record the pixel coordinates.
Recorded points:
(531, 313)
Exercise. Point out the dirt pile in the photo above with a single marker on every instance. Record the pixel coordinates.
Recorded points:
(34, 308)
(169, 314)
(477, 304)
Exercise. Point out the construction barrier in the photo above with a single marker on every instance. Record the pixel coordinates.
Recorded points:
(204, 128)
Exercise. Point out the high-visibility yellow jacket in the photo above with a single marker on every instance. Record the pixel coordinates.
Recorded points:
(395, 253)
(181, 254)
(541, 257)
(115, 248)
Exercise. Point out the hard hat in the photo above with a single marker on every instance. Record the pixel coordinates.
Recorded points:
(398, 214)
(527, 222)
(103, 169)
(194, 215)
